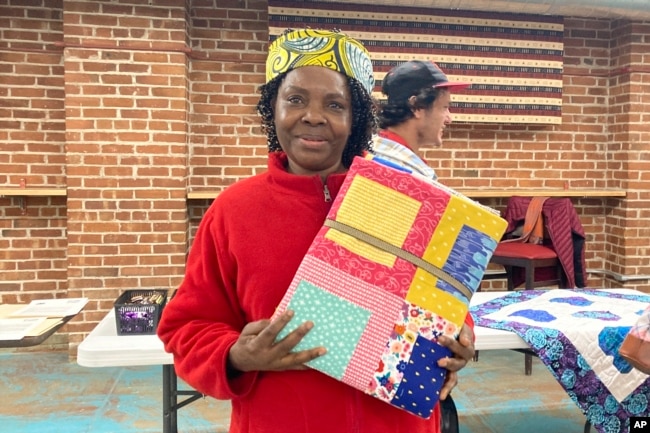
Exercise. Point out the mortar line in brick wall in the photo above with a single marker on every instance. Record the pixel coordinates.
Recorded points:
(43, 50)
(195, 55)
(572, 71)
(96, 46)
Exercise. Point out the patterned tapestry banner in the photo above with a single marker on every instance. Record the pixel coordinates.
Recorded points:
(514, 61)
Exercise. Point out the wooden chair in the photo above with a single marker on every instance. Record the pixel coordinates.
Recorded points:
(557, 253)
(529, 252)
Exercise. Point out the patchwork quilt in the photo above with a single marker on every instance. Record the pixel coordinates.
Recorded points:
(393, 268)
(576, 333)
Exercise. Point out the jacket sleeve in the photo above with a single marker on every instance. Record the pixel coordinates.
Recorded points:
(515, 212)
(204, 319)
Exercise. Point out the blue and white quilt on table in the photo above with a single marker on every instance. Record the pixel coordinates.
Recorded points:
(576, 334)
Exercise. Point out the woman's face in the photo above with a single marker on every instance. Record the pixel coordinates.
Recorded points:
(313, 119)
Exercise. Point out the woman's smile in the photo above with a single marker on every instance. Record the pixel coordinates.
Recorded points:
(312, 140)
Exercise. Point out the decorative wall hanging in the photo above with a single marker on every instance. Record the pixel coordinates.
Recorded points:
(514, 61)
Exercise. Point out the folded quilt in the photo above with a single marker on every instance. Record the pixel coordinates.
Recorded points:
(393, 268)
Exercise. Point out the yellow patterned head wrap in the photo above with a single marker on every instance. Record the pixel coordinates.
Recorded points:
(330, 49)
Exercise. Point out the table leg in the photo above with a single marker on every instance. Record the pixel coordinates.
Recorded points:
(170, 399)
(528, 364)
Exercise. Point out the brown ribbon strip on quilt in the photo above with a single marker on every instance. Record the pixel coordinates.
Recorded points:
(396, 251)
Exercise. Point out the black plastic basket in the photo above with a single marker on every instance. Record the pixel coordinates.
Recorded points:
(138, 318)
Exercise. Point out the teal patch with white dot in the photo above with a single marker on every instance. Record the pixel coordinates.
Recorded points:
(338, 325)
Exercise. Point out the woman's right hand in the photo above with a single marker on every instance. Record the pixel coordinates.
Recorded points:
(257, 350)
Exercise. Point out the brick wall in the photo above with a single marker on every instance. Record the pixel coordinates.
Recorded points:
(127, 99)
(32, 139)
(628, 245)
(131, 105)
(228, 54)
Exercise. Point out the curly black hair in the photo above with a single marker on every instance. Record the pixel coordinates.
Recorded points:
(364, 122)
(393, 113)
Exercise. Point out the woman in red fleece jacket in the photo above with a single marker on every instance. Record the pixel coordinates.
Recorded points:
(318, 114)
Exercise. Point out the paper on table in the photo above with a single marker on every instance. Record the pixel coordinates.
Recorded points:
(17, 329)
(6, 310)
(45, 326)
(52, 307)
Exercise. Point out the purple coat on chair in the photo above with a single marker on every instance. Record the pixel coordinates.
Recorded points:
(565, 235)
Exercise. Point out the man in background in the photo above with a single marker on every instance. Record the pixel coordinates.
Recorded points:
(415, 114)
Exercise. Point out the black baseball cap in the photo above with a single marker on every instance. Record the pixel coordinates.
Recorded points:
(407, 79)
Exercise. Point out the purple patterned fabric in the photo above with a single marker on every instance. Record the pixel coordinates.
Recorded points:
(568, 365)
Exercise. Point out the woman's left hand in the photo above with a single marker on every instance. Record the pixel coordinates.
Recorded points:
(463, 349)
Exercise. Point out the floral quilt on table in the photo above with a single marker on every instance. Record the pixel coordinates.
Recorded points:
(576, 334)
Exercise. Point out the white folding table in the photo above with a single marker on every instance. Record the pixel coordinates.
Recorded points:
(104, 348)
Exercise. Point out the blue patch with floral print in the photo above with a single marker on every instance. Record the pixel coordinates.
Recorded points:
(609, 340)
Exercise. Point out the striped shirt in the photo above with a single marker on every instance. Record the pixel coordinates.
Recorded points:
(392, 147)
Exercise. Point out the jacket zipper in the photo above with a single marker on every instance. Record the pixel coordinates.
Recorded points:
(326, 192)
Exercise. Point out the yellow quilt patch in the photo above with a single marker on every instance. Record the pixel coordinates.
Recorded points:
(424, 294)
(380, 212)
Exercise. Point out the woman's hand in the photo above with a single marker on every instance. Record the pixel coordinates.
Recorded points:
(463, 349)
(257, 350)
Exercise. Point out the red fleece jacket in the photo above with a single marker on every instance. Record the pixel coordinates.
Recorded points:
(245, 253)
